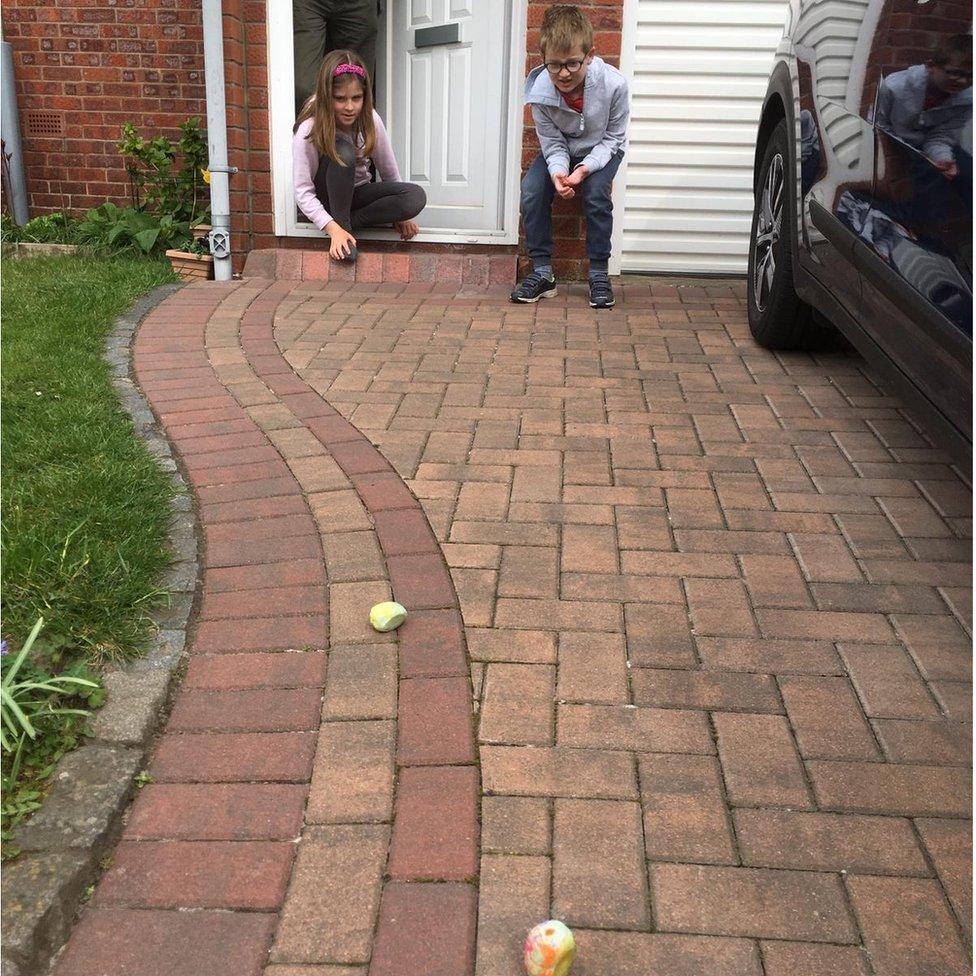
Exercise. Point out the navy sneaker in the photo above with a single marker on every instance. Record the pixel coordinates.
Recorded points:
(534, 287)
(601, 294)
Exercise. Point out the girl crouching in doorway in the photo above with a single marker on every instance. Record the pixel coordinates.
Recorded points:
(336, 136)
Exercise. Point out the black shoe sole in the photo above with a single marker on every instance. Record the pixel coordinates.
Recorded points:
(531, 301)
(609, 304)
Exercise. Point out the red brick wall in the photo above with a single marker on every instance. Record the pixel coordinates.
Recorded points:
(100, 64)
(568, 224)
(143, 62)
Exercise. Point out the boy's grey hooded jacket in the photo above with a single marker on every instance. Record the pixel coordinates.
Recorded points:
(901, 111)
(589, 138)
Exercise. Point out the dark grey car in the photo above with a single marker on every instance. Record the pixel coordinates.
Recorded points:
(863, 196)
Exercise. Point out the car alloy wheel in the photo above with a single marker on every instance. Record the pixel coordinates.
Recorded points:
(768, 228)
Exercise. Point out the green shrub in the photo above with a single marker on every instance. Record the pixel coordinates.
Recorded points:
(56, 228)
(169, 193)
(167, 177)
(126, 228)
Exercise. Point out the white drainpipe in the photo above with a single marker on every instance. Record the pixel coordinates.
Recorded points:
(213, 56)
(10, 132)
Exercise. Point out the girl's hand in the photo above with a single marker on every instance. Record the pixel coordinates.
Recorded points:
(407, 229)
(342, 241)
(563, 187)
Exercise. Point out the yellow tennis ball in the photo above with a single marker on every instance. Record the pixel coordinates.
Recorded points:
(387, 616)
(550, 949)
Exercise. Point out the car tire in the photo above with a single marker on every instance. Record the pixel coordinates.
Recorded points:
(778, 319)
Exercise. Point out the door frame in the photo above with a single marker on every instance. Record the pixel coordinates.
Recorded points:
(628, 62)
(281, 117)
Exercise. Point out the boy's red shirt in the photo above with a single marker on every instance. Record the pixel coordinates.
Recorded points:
(574, 99)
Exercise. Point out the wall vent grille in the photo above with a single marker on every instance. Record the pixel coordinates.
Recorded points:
(44, 125)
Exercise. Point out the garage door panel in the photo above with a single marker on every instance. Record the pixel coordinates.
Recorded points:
(708, 15)
(700, 72)
(664, 178)
(677, 199)
(705, 110)
(670, 263)
(681, 132)
(701, 223)
(744, 38)
(696, 87)
(712, 157)
(682, 242)
(675, 62)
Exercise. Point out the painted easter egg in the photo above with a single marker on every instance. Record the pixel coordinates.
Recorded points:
(387, 616)
(550, 949)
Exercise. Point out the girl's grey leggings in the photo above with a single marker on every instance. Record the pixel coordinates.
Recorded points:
(367, 205)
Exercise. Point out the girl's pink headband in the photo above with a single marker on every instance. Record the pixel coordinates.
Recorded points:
(348, 69)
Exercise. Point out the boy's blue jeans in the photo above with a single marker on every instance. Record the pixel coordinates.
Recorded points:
(537, 196)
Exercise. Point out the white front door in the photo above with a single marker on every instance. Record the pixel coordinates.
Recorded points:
(453, 109)
(449, 105)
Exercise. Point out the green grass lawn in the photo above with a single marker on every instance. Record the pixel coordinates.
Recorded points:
(85, 508)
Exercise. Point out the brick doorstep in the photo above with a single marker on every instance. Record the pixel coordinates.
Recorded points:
(377, 264)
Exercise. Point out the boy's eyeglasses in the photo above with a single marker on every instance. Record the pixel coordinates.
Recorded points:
(554, 67)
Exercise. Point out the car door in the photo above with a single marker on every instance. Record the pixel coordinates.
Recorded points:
(831, 40)
(914, 250)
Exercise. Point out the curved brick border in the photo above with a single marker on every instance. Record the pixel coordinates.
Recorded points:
(65, 841)
(215, 831)
(194, 840)
(427, 911)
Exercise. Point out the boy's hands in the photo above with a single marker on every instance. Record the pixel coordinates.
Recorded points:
(407, 229)
(564, 189)
(565, 185)
(947, 167)
(577, 176)
(342, 241)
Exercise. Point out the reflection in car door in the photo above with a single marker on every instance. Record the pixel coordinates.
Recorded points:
(831, 39)
(914, 248)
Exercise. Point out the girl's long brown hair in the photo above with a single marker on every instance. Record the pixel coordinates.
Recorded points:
(318, 107)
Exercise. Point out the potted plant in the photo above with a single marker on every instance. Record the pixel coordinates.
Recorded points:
(191, 260)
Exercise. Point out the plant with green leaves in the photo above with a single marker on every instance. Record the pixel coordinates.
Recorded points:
(167, 177)
(126, 228)
(85, 505)
(9, 231)
(40, 719)
(56, 228)
(26, 704)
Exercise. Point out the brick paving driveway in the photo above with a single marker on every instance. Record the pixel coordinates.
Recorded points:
(717, 602)
(717, 607)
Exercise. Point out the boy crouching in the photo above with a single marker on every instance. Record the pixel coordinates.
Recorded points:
(581, 107)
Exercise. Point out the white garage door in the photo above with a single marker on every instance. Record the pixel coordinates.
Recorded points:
(698, 72)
